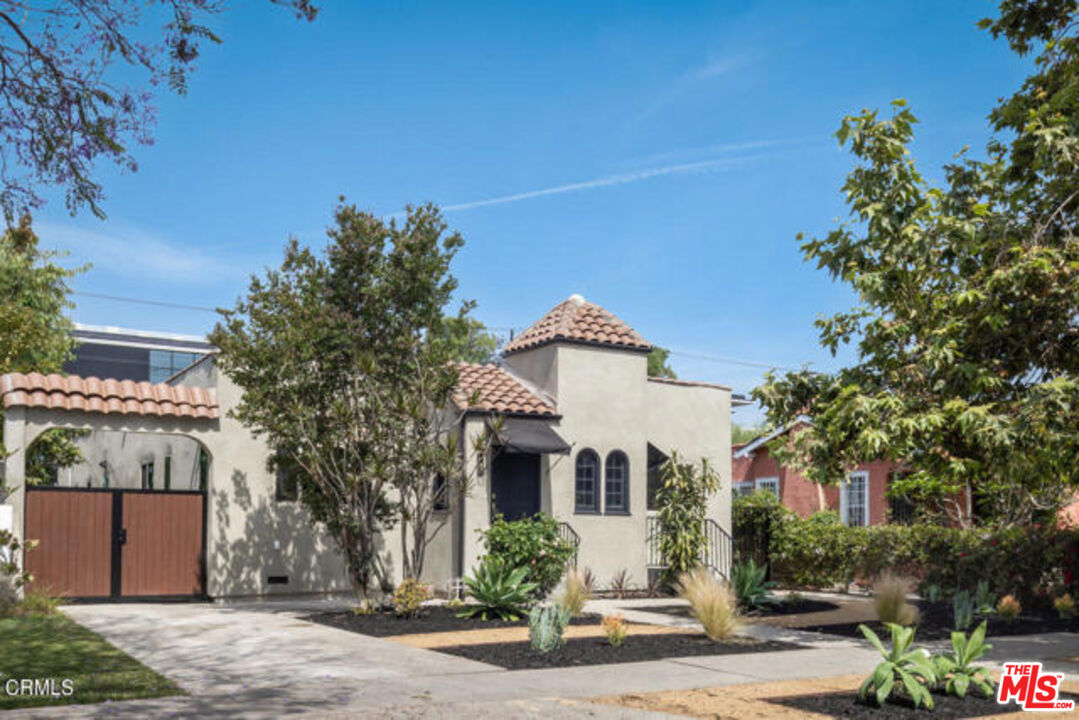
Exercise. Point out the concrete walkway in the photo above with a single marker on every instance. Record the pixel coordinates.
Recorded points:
(264, 661)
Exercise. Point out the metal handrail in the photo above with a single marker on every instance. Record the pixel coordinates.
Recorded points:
(716, 554)
(567, 533)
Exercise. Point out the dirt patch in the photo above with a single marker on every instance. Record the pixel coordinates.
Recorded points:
(517, 634)
(801, 607)
(597, 651)
(810, 698)
(936, 623)
(433, 619)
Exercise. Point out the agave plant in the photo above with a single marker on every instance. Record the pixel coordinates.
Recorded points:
(748, 583)
(955, 669)
(499, 591)
(909, 671)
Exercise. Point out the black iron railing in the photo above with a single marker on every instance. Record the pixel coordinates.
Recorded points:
(715, 556)
(568, 534)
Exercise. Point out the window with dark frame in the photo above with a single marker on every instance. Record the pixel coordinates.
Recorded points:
(146, 475)
(440, 494)
(168, 472)
(586, 499)
(286, 487)
(616, 483)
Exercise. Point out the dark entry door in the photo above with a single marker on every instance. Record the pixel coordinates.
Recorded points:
(98, 543)
(515, 484)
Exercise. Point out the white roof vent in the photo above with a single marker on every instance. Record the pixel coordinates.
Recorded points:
(576, 298)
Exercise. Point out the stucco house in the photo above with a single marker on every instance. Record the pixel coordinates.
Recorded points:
(583, 432)
(861, 500)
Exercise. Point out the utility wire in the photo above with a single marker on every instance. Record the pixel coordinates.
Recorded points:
(512, 330)
(139, 301)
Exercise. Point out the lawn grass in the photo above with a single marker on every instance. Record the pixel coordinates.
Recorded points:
(54, 646)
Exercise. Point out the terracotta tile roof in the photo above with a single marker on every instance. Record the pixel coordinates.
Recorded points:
(576, 320)
(124, 397)
(498, 392)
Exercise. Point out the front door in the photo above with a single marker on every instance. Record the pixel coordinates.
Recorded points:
(515, 484)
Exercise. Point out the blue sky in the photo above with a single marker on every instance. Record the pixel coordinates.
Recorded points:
(657, 158)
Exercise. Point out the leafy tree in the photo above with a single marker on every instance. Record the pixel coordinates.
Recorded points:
(63, 108)
(342, 372)
(968, 346)
(35, 331)
(745, 433)
(467, 338)
(682, 506)
(658, 365)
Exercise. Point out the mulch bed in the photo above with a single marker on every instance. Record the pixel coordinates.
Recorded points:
(794, 608)
(937, 619)
(597, 651)
(845, 704)
(433, 619)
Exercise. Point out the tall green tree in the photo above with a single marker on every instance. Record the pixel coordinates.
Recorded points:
(35, 331)
(340, 358)
(658, 365)
(966, 329)
(468, 339)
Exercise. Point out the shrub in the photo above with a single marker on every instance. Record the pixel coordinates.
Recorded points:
(750, 587)
(931, 593)
(546, 624)
(712, 603)
(962, 610)
(620, 583)
(1009, 608)
(575, 594)
(681, 508)
(754, 519)
(984, 598)
(615, 628)
(499, 591)
(589, 579)
(409, 597)
(955, 669)
(37, 602)
(909, 671)
(890, 601)
(533, 543)
(818, 551)
(1065, 606)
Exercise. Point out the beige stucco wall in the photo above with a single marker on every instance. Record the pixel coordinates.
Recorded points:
(250, 535)
(125, 453)
(607, 403)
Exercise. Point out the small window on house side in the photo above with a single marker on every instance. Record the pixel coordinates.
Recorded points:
(146, 475)
(440, 494)
(742, 489)
(586, 499)
(769, 484)
(616, 483)
(286, 488)
(854, 499)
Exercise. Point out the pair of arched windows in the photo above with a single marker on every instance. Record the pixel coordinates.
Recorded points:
(615, 485)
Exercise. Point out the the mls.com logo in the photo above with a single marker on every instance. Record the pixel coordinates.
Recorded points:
(1027, 685)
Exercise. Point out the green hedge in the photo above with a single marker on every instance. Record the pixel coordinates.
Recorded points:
(819, 551)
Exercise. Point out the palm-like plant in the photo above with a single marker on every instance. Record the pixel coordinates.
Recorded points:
(957, 668)
(499, 591)
(909, 671)
(749, 585)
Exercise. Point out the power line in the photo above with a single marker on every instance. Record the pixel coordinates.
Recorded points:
(140, 301)
(202, 308)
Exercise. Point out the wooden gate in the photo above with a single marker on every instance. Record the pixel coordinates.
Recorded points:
(118, 544)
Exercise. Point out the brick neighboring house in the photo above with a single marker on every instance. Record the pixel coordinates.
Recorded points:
(861, 500)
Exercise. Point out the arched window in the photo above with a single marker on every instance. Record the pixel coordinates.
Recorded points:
(616, 487)
(586, 498)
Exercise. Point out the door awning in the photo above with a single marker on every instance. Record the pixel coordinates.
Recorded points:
(523, 435)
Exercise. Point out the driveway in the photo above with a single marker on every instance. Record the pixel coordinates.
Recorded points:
(261, 660)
